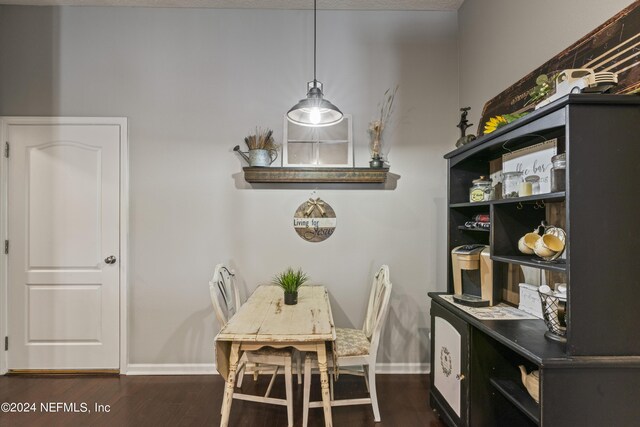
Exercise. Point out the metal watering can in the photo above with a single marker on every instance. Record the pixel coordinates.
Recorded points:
(258, 158)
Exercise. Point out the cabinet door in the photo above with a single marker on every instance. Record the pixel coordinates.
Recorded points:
(449, 365)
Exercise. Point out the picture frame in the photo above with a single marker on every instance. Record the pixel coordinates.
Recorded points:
(317, 147)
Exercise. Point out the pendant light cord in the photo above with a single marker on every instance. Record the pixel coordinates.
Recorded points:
(314, 41)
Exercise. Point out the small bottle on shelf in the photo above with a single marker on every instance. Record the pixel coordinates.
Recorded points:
(534, 180)
(558, 172)
(526, 189)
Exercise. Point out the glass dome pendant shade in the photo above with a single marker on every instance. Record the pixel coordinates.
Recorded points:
(314, 110)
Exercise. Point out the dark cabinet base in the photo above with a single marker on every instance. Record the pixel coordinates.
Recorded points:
(574, 391)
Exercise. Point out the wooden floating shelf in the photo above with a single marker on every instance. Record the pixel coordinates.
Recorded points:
(316, 175)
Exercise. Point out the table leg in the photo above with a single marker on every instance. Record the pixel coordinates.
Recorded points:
(231, 379)
(324, 383)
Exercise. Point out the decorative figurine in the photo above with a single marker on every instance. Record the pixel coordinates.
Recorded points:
(580, 80)
(463, 125)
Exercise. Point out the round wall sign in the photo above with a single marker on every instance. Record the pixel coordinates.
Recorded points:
(314, 220)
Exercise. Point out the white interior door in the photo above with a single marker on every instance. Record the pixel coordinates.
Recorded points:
(63, 225)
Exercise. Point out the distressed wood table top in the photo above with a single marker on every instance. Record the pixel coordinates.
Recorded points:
(266, 318)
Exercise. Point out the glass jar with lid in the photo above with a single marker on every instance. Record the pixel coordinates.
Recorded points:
(531, 185)
(481, 190)
(511, 184)
(558, 172)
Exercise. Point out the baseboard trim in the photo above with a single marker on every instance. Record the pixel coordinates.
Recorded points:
(210, 368)
(403, 368)
(63, 372)
(171, 369)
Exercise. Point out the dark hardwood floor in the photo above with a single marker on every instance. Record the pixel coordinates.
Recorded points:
(196, 400)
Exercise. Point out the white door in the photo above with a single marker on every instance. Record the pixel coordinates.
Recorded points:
(63, 227)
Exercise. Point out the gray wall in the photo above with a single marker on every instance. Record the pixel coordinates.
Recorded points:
(193, 83)
(501, 41)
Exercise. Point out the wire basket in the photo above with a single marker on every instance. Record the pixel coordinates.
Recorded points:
(553, 310)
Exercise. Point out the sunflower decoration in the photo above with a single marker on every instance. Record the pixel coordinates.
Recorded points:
(502, 120)
(494, 123)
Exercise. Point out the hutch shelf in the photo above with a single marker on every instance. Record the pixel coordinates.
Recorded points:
(594, 378)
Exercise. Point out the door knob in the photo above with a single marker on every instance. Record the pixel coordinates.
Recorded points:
(110, 259)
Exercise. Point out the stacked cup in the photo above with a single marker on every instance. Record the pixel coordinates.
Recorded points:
(527, 243)
(548, 246)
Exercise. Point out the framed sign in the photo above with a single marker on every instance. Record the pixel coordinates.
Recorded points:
(533, 160)
(314, 220)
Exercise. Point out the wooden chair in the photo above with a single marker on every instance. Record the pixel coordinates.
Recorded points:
(356, 347)
(226, 302)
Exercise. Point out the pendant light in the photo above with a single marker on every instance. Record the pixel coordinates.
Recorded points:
(314, 111)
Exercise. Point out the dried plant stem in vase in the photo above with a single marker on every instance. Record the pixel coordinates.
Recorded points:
(377, 127)
(261, 140)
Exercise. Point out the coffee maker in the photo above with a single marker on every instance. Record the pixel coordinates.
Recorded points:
(472, 275)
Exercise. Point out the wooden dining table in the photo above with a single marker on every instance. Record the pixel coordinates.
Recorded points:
(264, 320)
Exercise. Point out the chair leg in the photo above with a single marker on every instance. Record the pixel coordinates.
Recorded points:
(289, 389)
(256, 372)
(372, 392)
(299, 366)
(331, 385)
(306, 393)
(241, 371)
(365, 370)
(273, 379)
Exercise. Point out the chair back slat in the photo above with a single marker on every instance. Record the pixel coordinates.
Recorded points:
(224, 294)
(378, 307)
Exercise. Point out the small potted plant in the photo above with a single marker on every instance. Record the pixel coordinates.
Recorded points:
(290, 281)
